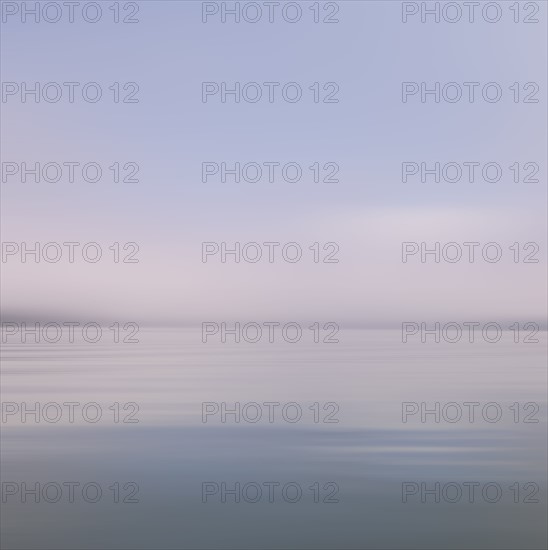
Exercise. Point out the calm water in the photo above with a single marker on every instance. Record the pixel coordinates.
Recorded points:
(354, 467)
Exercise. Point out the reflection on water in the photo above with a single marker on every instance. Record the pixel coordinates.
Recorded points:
(350, 472)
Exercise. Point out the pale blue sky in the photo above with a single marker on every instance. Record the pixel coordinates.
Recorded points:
(170, 132)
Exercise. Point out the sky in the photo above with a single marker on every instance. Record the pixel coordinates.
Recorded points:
(368, 133)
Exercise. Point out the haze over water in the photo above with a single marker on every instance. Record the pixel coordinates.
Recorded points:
(362, 442)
